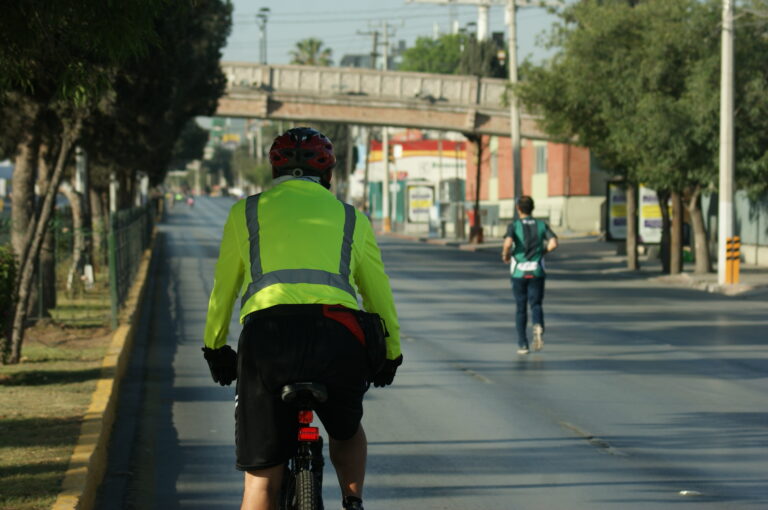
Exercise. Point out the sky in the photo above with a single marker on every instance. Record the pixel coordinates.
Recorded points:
(337, 23)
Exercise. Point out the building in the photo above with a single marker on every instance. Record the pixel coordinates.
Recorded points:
(567, 186)
(426, 180)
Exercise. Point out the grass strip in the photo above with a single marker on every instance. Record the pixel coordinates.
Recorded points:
(42, 401)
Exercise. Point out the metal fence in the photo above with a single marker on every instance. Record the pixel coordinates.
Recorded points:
(114, 259)
(130, 234)
(53, 296)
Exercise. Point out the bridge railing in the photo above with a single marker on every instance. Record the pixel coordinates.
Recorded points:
(400, 85)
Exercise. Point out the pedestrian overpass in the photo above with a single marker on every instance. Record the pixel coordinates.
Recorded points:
(466, 104)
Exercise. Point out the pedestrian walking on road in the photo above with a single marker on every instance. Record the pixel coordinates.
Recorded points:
(526, 242)
(299, 256)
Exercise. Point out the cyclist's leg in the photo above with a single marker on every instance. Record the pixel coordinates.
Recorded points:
(348, 458)
(262, 488)
(520, 291)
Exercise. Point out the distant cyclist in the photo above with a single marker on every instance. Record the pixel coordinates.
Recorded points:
(529, 239)
(296, 254)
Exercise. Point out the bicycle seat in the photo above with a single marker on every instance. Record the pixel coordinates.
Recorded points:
(304, 394)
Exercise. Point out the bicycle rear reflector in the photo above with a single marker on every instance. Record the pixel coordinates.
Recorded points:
(309, 434)
(305, 417)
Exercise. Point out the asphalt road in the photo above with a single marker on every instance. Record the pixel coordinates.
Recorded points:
(644, 396)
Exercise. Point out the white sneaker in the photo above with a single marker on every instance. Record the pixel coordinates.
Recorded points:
(523, 350)
(538, 337)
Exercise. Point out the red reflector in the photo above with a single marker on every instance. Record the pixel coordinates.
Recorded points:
(309, 434)
(305, 417)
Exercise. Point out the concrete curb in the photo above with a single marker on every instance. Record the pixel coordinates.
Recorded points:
(88, 461)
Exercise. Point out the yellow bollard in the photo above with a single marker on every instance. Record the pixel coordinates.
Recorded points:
(732, 259)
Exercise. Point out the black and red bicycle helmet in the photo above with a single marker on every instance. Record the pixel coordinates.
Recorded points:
(302, 151)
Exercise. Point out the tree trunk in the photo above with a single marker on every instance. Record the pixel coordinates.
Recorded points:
(633, 263)
(663, 198)
(98, 229)
(79, 249)
(23, 196)
(701, 249)
(476, 230)
(47, 267)
(32, 252)
(43, 295)
(676, 236)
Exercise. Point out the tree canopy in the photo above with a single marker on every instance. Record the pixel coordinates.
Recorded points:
(121, 78)
(639, 85)
(454, 54)
(310, 52)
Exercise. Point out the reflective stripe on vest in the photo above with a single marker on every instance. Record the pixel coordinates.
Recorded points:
(261, 280)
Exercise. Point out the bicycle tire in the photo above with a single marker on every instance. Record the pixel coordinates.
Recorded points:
(288, 491)
(307, 491)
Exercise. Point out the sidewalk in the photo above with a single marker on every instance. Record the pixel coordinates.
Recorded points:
(598, 256)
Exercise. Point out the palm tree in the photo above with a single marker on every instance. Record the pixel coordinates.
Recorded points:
(310, 52)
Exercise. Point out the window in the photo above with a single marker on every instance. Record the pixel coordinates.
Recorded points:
(541, 158)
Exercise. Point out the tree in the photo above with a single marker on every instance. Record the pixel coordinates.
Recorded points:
(310, 52)
(258, 173)
(429, 55)
(581, 91)
(190, 145)
(220, 163)
(640, 87)
(57, 60)
(157, 96)
(480, 58)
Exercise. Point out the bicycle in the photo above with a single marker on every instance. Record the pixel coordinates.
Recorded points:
(303, 476)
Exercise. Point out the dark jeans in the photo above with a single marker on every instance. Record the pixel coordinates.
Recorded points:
(527, 291)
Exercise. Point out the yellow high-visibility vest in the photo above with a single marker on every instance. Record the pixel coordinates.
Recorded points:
(297, 244)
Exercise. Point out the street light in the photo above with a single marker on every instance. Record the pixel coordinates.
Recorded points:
(261, 18)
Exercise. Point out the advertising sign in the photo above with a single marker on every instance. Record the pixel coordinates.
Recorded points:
(649, 216)
(421, 199)
(617, 212)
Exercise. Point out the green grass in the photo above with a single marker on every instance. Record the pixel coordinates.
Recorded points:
(42, 401)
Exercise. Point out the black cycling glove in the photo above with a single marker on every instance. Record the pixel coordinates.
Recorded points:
(386, 375)
(223, 364)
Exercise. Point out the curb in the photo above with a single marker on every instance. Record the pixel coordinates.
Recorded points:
(88, 461)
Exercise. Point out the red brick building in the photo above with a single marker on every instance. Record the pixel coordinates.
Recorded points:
(568, 189)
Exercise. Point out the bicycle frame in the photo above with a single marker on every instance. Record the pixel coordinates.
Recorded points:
(309, 452)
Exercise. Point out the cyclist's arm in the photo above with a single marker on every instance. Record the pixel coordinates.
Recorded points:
(373, 284)
(226, 286)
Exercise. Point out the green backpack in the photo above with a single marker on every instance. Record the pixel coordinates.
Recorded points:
(520, 267)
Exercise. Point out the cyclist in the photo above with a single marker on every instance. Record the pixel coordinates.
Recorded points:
(297, 254)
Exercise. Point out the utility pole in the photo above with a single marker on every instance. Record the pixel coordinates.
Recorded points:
(725, 191)
(261, 18)
(366, 194)
(385, 143)
(387, 223)
(514, 105)
(482, 33)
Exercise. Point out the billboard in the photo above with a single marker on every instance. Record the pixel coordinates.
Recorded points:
(617, 212)
(420, 199)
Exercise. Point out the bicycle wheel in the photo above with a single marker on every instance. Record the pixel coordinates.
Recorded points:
(307, 491)
(288, 491)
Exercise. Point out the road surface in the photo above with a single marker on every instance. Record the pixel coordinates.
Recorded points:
(643, 397)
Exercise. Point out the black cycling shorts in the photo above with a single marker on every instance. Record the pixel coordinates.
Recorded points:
(288, 344)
